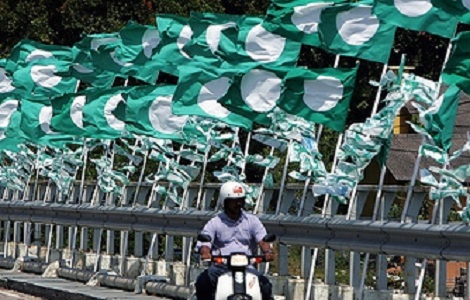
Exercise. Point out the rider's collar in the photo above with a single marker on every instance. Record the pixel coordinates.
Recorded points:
(227, 218)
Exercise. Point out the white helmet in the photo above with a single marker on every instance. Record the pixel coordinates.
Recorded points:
(231, 190)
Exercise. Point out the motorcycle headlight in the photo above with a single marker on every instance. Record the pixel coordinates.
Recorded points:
(239, 260)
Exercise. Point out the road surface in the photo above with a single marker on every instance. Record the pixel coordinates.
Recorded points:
(13, 295)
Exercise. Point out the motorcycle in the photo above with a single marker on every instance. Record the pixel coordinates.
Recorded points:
(237, 283)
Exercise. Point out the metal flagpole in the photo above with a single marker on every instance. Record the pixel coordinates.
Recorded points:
(314, 256)
(308, 180)
(417, 164)
(261, 188)
(284, 175)
(247, 149)
(204, 166)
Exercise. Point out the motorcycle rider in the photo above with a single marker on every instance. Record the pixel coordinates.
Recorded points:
(233, 230)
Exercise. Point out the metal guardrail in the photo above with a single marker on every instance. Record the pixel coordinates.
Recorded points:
(447, 242)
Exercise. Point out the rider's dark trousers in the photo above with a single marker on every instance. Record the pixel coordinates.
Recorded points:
(207, 282)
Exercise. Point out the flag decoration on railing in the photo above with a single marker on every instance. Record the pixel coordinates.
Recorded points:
(234, 73)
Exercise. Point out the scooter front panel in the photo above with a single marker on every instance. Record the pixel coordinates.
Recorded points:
(225, 286)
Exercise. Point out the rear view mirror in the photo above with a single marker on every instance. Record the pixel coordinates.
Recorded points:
(269, 238)
(205, 238)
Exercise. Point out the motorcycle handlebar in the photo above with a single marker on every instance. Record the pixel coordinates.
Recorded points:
(224, 259)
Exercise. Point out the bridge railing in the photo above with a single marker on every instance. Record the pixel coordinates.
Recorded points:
(40, 222)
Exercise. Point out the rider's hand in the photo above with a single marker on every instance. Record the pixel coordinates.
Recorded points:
(269, 255)
(205, 253)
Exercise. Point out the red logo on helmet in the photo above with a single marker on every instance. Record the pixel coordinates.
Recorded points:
(238, 189)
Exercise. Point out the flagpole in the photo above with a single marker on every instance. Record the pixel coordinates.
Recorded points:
(353, 195)
(418, 159)
(314, 256)
(204, 166)
(247, 149)
(141, 177)
(261, 188)
(125, 233)
(284, 175)
(416, 167)
(379, 203)
(234, 143)
(308, 180)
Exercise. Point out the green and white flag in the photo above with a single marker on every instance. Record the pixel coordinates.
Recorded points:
(257, 46)
(104, 113)
(105, 59)
(438, 120)
(255, 93)
(198, 92)
(91, 113)
(6, 84)
(320, 96)
(27, 51)
(45, 77)
(10, 143)
(354, 30)
(208, 33)
(36, 118)
(103, 50)
(457, 69)
(83, 68)
(435, 153)
(438, 17)
(67, 114)
(149, 113)
(8, 108)
(297, 19)
(139, 43)
(466, 17)
(175, 33)
(10, 119)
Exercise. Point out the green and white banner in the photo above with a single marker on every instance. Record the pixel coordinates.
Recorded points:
(354, 30)
(320, 96)
(149, 113)
(457, 69)
(438, 17)
(297, 19)
(198, 92)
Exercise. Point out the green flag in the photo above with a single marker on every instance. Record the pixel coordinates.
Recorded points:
(102, 52)
(466, 17)
(296, 19)
(10, 118)
(105, 59)
(36, 118)
(104, 113)
(45, 77)
(139, 43)
(384, 152)
(457, 69)
(149, 113)
(198, 92)
(255, 45)
(11, 135)
(67, 114)
(27, 51)
(320, 96)
(353, 30)
(83, 68)
(208, 33)
(6, 84)
(175, 34)
(255, 93)
(438, 17)
(8, 107)
(439, 120)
